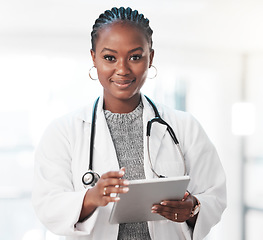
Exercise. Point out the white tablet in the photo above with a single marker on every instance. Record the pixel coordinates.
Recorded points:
(136, 205)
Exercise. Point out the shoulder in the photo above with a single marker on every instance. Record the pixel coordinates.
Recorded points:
(76, 117)
(164, 110)
(189, 131)
(175, 118)
(82, 114)
(68, 125)
(185, 123)
(179, 116)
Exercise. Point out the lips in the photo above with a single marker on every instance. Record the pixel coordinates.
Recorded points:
(122, 83)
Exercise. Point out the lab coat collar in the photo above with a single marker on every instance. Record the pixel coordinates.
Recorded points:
(86, 115)
(104, 155)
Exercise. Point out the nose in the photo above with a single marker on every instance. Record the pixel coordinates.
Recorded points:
(122, 68)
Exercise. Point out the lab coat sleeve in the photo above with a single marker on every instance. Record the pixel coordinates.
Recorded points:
(56, 202)
(207, 176)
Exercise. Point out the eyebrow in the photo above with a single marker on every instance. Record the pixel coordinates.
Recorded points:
(108, 49)
(114, 51)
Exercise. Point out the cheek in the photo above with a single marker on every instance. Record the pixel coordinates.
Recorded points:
(141, 70)
(104, 71)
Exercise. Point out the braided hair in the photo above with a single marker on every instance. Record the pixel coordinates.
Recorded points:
(124, 15)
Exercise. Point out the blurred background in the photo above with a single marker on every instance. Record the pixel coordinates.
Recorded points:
(209, 56)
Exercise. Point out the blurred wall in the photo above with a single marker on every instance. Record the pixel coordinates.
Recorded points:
(44, 62)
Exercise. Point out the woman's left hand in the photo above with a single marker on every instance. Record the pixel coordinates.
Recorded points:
(176, 210)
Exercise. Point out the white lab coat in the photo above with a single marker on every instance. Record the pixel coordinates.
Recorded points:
(62, 158)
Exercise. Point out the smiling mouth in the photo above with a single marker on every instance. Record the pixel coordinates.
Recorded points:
(122, 83)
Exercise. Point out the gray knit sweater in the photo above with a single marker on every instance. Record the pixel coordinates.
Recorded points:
(127, 134)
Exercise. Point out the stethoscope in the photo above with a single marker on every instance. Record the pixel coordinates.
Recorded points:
(90, 178)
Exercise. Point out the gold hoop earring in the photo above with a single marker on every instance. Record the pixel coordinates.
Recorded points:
(94, 79)
(154, 76)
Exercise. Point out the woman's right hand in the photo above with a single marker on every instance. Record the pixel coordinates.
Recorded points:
(105, 191)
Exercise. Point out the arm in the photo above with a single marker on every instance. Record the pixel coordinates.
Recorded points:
(56, 203)
(208, 183)
(207, 177)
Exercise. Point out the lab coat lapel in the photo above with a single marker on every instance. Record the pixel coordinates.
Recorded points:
(105, 158)
(155, 140)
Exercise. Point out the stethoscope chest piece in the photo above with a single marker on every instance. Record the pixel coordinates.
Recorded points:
(90, 178)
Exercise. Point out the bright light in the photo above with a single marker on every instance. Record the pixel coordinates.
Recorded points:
(51, 236)
(34, 234)
(243, 118)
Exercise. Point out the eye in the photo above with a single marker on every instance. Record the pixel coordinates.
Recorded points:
(109, 58)
(136, 57)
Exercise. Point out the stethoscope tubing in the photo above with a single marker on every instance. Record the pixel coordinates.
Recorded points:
(157, 118)
(92, 135)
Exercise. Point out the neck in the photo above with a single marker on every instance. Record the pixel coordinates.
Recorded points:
(121, 106)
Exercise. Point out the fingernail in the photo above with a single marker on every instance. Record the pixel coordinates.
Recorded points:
(126, 182)
(117, 199)
(126, 189)
(153, 211)
(185, 196)
(154, 208)
(121, 172)
(163, 203)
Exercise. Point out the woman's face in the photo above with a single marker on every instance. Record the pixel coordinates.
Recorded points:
(122, 58)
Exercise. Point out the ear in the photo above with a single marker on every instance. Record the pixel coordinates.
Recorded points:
(93, 55)
(151, 58)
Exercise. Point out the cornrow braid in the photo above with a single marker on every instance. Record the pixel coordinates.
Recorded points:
(125, 15)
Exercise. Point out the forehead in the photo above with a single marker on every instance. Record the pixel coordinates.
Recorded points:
(121, 34)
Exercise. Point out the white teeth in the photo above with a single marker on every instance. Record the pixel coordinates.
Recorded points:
(123, 82)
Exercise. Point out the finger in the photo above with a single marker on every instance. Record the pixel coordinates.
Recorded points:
(169, 215)
(115, 182)
(184, 212)
(108, 199)
(104, 191)
(178, 204)
(113, 174)
(174, 215)
(167, 209)
(109, 190)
